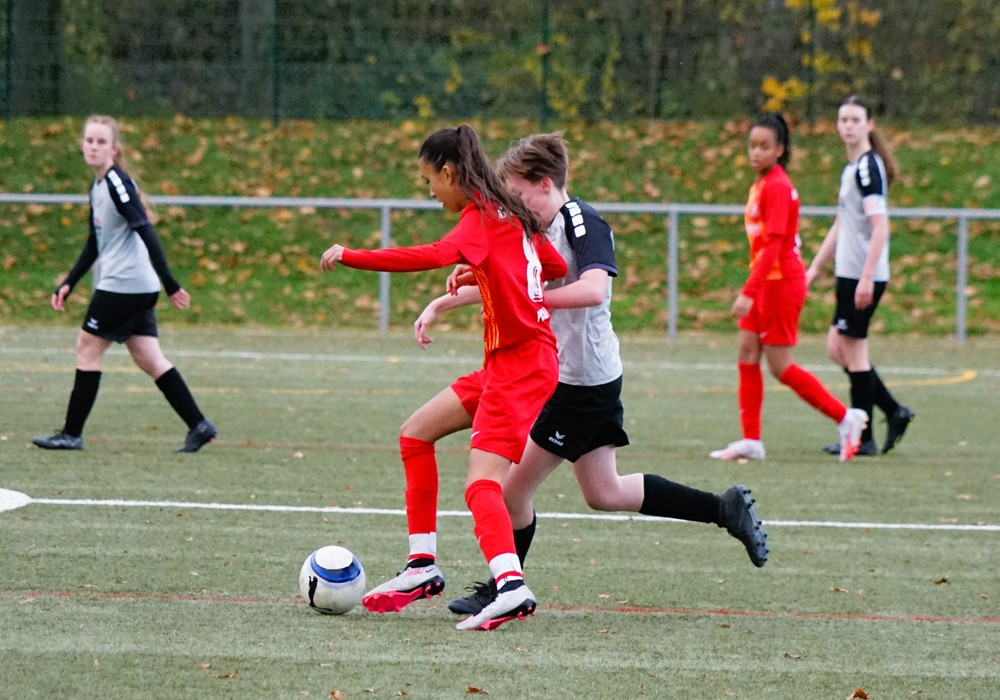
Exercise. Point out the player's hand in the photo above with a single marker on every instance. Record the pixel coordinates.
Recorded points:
(461, 276)
(742, 306)
(59, 298)
(864, 294)
(424, 322)
(331, 257)
(180, 299)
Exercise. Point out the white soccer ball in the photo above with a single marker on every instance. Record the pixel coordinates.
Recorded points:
(332, 580)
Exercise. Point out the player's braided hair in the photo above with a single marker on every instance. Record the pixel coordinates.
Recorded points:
(476, 179)
(776, 123)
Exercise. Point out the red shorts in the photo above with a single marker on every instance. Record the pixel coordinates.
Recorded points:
(507, 394)
(774, 316)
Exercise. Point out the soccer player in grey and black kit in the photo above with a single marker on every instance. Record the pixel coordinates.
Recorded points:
(583, 421)
(128, 264)
(858, 241)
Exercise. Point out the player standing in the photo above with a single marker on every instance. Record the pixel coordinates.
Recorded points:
(859, 242)
(769, 304)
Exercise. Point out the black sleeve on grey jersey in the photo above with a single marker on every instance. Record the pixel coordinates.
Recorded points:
(591, 238)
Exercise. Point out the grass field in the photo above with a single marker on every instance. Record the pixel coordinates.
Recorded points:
(137, 572)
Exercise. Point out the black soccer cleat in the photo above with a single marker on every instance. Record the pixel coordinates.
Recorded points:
(897, 424)
(199, 436)
(737, 515)
(60, 441)
(481, 594)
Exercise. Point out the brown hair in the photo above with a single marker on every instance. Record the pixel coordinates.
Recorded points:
(476, 179)
(878, 144)
(536, 157)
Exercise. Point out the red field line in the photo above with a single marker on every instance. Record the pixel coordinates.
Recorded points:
(29, 597)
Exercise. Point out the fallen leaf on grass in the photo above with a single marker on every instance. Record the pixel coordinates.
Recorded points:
(943, 579)
(338, 694)
(228, 675)
(792, 656)
(473, 690)
(858, 694)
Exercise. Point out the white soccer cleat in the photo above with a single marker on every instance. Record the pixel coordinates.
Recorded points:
(741, 449)
(513, 600)
(406, 587)
(850, 430)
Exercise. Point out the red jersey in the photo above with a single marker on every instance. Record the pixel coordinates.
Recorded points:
(509, 271)
(772, 224)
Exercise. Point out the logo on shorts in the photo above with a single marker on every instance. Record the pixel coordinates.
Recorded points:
(841, 324)
(557, 439)
(92, 323)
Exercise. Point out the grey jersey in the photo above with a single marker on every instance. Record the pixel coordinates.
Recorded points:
(588, 346)
(862, 182)
(122, 263)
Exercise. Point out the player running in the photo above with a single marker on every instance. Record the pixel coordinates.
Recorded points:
(498, 237)
(583, 421)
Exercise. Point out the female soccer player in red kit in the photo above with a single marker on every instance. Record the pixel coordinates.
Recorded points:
(768, 307)
(500, 239)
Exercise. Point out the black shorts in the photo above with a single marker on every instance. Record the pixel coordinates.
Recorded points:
(117, 317)
(848, 320)
(579, 419)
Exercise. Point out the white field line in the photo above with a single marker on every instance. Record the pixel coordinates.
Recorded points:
(432, 359)
(185, 505)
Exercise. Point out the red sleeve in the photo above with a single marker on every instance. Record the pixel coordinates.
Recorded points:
(775, 202)
(553, 265)
(765, 263)
(413, 259)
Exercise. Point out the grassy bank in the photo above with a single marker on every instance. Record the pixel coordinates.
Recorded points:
(260, 266)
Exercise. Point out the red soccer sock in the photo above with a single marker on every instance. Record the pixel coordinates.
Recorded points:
(421, 495)
(492, 521)
(812, 391)
(751, 397)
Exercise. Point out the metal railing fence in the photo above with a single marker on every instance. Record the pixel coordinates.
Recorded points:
(671, 212)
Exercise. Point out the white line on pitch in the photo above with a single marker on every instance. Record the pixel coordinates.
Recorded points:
(431, 359)
(464, 514)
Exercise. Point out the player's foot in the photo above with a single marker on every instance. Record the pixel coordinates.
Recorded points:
(513, 600)
(60, 441)
(737, 515)
(896, 426)
(867, 448)
(199, 436)
(480, 595)
(407, 586)
(850, 430)
(741, 449)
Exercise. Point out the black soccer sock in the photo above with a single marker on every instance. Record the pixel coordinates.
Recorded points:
(667, 499)
(862, 396)
(176, 391)
(523, 537)
(883, 399)
(81, 400)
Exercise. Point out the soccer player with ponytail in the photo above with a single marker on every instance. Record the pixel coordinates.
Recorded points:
(859, 243)
(499, 238)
